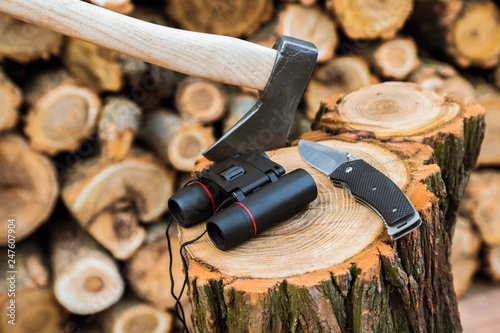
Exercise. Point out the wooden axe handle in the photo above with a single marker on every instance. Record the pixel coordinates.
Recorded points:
(218, 58)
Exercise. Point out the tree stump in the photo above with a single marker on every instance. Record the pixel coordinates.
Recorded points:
(333, 267)
(394, 111)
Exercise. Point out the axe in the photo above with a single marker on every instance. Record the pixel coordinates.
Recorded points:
(281, 73)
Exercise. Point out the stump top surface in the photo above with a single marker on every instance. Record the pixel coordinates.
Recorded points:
(332, 229)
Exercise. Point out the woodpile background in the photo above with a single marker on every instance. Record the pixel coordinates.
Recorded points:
(93, 143)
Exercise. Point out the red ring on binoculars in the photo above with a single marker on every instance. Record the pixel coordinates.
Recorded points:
(209, 194)
(250, 214)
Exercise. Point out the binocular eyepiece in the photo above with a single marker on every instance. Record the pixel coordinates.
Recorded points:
(261, 194)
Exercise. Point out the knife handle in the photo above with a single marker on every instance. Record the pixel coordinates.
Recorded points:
(377, 191)
(217, 58)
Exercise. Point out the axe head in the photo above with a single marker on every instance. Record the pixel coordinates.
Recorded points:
(267, 124)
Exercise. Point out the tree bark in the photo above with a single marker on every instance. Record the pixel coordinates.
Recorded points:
(231, 18)
(10, 101)
(86, 278)
(109, 199)
(341, 75)
(396, 111)
(37, 309)
(176, 141)
(333, 267)
(29, 187)
(24, 42)
(62, 113)
(368, 19)
(201, 100)
(119, 122)
(394, 59)
(131, 315)
(444, 80)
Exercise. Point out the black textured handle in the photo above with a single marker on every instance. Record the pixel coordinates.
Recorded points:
(373, 188)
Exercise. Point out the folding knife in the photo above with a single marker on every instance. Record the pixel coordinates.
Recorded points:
(366, 185)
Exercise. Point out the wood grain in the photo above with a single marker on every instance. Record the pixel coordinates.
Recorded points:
(217, 58)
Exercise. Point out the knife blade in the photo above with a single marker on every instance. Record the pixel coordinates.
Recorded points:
(365, 184)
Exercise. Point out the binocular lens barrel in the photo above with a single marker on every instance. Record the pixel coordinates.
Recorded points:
(195, 203)
(273, 203)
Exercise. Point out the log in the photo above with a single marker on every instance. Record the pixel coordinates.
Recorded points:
(119, 122)
(490, 150)
(496, 76)
(62, 113)
(465, 30)
(465, 260)
(238, 105)
(86, 278)
(29, 187)
(109, 199)
(444, 80)
(95, 66)
(397, 111)
(492, 257)
(24, 42)
(370, 19)
(201, 100)
(311, 24)
(341, 75)
(131, 315)
(393, 59)
(332, 267)
(176, 142)
(481, 205)
(120, 6)
(230, 18)
(10, 101)
(37, 309)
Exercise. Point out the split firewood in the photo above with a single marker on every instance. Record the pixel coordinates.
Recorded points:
(95, 66)
(370, 19)
(120, 119)
(481, 205)
(131, 315)
(176, 141)
(28, 187)
(310, 24)
(120, 6)
(444, 80)
(201, 100)
(24, 42)
(468, 31)
(332, 267)
(465, 260)
(340, 75)
(238, 105)
(231, 18)
(10, 100)
(109, 199)
(36, 308)
(493, 262)
(62, 113)
(393, 59)
(86, 278)
(490, 150)
(398, 111)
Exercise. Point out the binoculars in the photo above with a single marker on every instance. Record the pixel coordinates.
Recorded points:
(241, 196)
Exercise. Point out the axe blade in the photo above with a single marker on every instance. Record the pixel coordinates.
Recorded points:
(267, 124)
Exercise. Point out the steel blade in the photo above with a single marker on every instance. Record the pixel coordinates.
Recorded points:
(321, 157)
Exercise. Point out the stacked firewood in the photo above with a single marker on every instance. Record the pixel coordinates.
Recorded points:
(93, 143)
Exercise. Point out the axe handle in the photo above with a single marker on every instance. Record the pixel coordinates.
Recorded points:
(218, 58)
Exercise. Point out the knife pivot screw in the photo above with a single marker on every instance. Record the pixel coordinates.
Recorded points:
(394, 210)
(374, 188)
(349, 169)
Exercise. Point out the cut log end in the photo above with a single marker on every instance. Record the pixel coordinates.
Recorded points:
(369, 19)
(10, 100)
(490, 150)
(493, 263)
(396, 59)
(28, 188)
(201, 100)
(62, 117)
